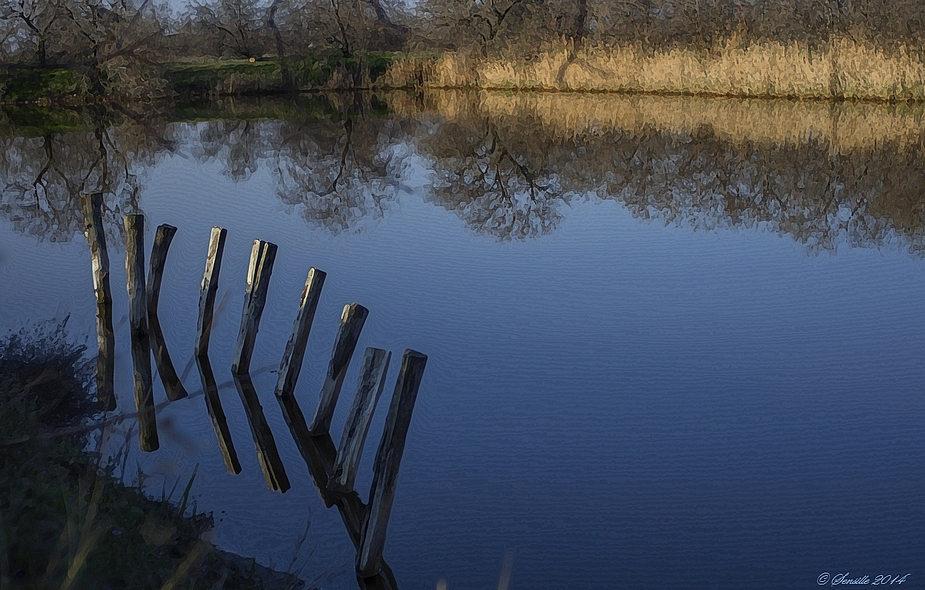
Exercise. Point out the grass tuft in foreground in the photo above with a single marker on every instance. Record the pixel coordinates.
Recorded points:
(65, 520)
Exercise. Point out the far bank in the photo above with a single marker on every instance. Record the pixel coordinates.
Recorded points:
(841, 69)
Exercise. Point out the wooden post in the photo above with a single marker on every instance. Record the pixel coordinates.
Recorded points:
(173, 387)
(203, 331)
(388, 459)
(138, 320)
(291, 365)
(369, 389)
(351, 324)
(267, 455)
(263, 254)
(319, 455)
(106, 340)
(209, 289)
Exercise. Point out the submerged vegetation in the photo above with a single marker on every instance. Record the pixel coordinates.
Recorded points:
(67, 518)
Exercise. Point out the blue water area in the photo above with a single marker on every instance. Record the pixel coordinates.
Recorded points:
(619, 402)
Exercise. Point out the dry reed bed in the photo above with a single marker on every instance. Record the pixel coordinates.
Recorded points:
(842, 68)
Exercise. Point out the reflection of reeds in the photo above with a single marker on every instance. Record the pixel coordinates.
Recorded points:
(841, 68)
(705, 163)
(843, 126)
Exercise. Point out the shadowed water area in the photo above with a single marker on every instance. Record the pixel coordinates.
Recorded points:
(673, 342)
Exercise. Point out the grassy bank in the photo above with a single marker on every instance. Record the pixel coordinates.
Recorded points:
(30, 84)
(207, 78)
(65, 520)
(246, 77)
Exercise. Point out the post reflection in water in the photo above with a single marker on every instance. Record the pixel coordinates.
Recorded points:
(203, 333)
(106, 345)
(172, 384)
(333, 471)
(650, 354)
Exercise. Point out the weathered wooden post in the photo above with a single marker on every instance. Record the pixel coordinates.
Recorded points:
(203, 331)
(173, 387)
(267, 454)
(291, 365)
(351, 324)
(260, 268)
(263, 255)
(388, 459)
(106, 340)
(369, 389)
(138, 320)
(209, 289)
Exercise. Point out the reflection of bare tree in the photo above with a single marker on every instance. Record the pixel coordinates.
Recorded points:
(42, 176)
(863, 198)
(240, 145)
(339, 173)
(505, 175)
(508, 174)
(495, 178)
(332, 161)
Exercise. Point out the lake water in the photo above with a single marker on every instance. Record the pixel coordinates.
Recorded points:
(673, 343)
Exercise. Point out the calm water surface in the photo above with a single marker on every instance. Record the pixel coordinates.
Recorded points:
(671, 344)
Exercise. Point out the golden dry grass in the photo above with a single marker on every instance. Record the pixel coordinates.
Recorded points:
(842, 68)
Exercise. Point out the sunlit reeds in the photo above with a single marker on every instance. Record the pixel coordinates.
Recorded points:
(840, 68)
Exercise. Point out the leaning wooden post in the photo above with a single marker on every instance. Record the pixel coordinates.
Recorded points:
(351, 324)
(274, 473)
(203, 331)
(106, 340)
(369, 389)
(263, 254)
(291, 365)
(173, 387)
(138, 320)
(388, 459)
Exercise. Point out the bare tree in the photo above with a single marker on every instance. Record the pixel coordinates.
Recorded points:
(32, 21)
(239, 24)
(111, 42)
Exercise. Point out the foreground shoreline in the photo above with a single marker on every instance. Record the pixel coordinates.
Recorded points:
(68, 519)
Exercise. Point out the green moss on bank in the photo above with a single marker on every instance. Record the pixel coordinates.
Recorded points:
(224, 77)
(22, 84)
(32, 120)
(220, 77)
(244, 77)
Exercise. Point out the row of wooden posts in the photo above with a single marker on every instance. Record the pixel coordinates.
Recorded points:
(332, 469)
